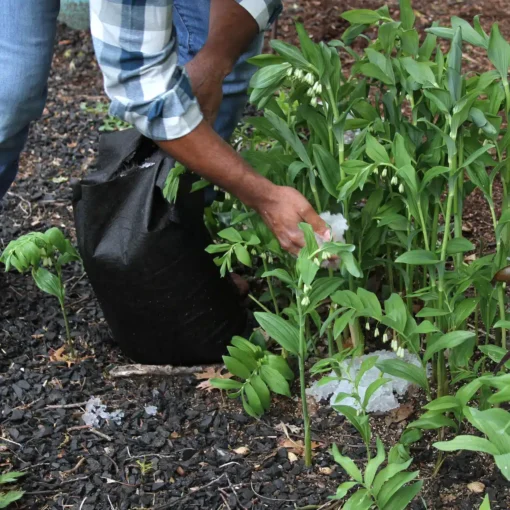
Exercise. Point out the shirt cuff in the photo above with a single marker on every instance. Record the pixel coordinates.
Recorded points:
(169, 116)
(265, 12)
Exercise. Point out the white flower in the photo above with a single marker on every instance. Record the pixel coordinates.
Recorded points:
(310, 79)
(307, 288)
(384, 172)
(310, 92)
(385, 338)
(316, 261)
(376, 171)
(367, 326)
(400, 352)
(318, 88)
(290, 71)
(376, 332)
(298, 73)
(305, 301)
(263, 256)
(313, 102)
(227, 196)
(254, 251)
(394, 180)
(401, 188)
(270, 258)
(326, 255)
(334, 306)
(394, 345)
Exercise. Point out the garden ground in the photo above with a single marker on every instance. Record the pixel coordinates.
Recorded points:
(200, 450)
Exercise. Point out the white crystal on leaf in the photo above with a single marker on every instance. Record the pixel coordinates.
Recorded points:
(95, 412)
(383, 400)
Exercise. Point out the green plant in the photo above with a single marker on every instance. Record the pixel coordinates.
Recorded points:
(486, 504)
(6, 498)
(41, 253)
(389, 488)
(110, 123)
(145, 467)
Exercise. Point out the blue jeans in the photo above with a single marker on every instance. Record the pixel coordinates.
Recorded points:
(27, 33)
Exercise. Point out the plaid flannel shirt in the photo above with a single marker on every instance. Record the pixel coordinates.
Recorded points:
(136, 48)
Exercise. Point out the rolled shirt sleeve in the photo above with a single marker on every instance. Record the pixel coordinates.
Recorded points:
(136, 48)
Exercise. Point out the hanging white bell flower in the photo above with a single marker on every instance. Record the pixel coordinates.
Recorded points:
(394, 180)
(326, 255)
(307, 288)
(305, 301)
(227, 196)
(290, 71)
(316, 261)
(376, 332)
(263, 256)
(254, 251)
(384, 172)
(385, 338)
(318, 88)
(313, 102)
(376, 171)
(401, 188)
(367, 326)
(400, 352)
(310, 92)
(269, 258)
(298, 73)
(394, 345)
(310, 79)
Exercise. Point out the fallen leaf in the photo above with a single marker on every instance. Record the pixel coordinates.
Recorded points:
(476, 487)
(467, 227)
(296, 447)
(242, 450)
(400, 414)
(470, 258)
(175, 435)
(292, 457)
(313, 405)
(286, 427)
(213, 372)
(180, 471)
(57, 356)
(325, 470)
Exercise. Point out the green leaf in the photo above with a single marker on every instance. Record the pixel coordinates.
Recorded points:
(471, 443)
(373, 71)
(486, 504)
(446, 403)
(503, 463)
(475, 155)
(407, 16)
(276, 382)
(360, 500)
(342, 322)
(291, 53)
(499, 52)
(393, 485)
(387, 473)
(459, 245)
(418, 258)
(244, 345)
(329, 169)
(280, 330)
(372, 388)
(351, 265)
(247, 407)
(454, 69)
(231, 234)
(56, 238)
(242, 255)
(323, 288)
(10, 497)
(432, 422)
(343, 489)
(420, 72)
(401, 499)
(48, 282)
(269, 76)
(374, 463)
(448, 341)
(262, 391)
(347, 464)
(281, 274)
(235, 367)
(463, 310)
(361, 16)
(404, 370)
(306, 268)
(279, 364)
(11, 477)
(226, 384)
(253, 399)
(289, 136)
(375, 151)
(245, 357)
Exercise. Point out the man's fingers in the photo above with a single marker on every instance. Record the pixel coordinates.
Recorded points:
(318, 225)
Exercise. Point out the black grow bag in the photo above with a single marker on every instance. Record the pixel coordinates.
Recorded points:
(160, 292)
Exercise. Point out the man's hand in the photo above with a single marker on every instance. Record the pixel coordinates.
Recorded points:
(283, 210)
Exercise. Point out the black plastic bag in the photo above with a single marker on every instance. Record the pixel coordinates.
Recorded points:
(160, 292)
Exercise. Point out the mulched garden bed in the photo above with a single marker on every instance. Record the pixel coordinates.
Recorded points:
(200, 450)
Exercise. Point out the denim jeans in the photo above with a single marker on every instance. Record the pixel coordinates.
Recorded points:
(27, 33)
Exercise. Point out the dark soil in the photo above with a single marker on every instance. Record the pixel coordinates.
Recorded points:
(183, 457)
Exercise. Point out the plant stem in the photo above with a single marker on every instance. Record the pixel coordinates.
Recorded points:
(302, 381)
(502, 312)
(270, 285)
(390, 268)
(253, 298)
(64, 312)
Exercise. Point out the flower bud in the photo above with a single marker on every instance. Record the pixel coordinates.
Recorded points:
(376, 332)
(310, 92)
(307, 288)
(394, 345)
(401, 188)
(384, 172)
(394, 180)
(318, 88)
(316, 261)
(326, 255)
(263, 256)
(290, 71)
(227, 195)
(269, 258)
(310, 79)
(367, 326)
(385, 338)
(313, 102)
(298, 73)
(400, 352)
(376, 171)
(254, 251)
(305, 301)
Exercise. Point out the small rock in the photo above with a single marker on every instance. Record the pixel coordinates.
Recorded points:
(476, 487)
(242, 450)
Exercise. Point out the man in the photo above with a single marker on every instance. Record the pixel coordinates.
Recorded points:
(141, 46)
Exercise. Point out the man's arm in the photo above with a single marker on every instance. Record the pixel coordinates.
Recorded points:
(136, 49)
